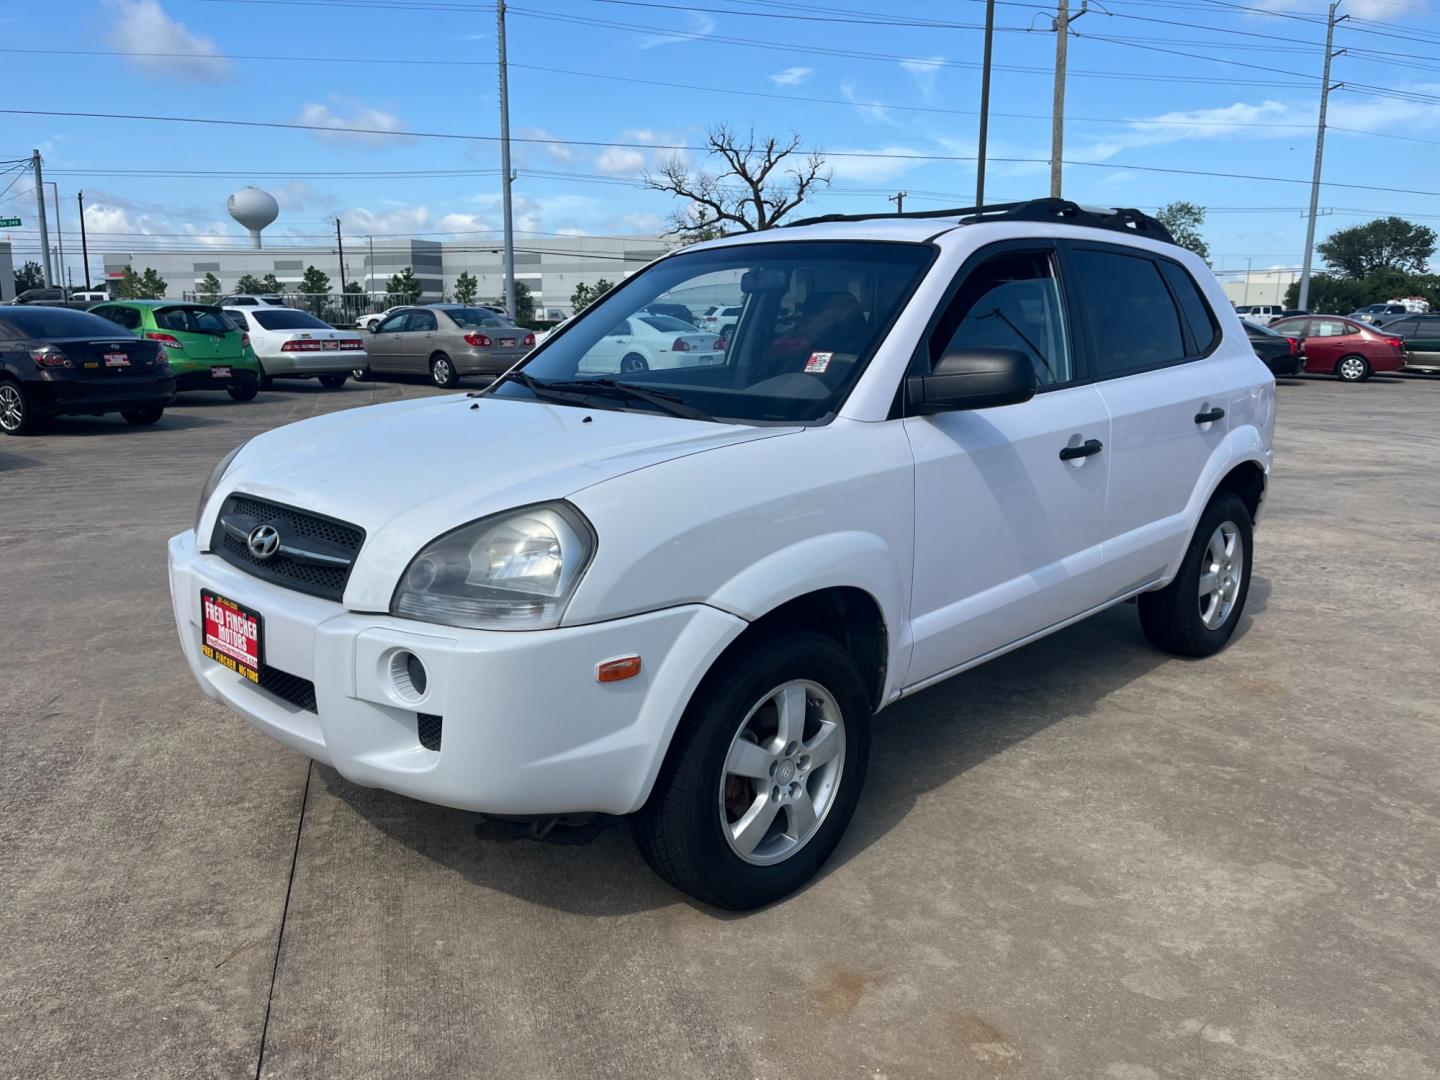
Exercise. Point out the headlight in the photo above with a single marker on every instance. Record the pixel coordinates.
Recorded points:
(512, 571)
(216, 475)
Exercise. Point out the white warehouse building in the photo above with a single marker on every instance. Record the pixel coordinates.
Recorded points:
(551, 267)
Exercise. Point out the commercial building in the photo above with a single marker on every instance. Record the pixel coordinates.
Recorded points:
(551, 266)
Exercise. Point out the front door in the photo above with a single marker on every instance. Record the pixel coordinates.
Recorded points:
(1008, 534)
(1149, 331)
(605, 354)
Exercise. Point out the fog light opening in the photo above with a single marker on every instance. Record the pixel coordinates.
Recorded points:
(408, 676)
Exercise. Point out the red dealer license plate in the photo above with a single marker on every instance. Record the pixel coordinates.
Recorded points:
(220, 372)
(230, 634)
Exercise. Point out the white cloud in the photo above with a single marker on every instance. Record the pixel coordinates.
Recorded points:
(877, 114)
(873, 169)
(142, 26)
(792, 76)
(363, 124)
(114, 222)
(701, 26)
(1361, 9)
(619, 161)
(924, 72)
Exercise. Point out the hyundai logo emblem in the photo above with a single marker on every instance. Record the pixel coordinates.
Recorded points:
(263, 541)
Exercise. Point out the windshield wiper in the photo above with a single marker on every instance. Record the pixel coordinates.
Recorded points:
(661, 399)
(544, 391)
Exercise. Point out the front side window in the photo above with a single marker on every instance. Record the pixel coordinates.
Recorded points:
(809, 315)
(1134, 323)
(1010, 301)
(129, 318)
(394, 324)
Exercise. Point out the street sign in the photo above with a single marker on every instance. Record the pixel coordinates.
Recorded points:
(9, 222)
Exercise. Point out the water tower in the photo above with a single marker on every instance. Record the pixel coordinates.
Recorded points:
(255, 209)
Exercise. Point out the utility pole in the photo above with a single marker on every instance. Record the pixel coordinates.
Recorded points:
(899, 200)
(84, 247)
(40, 208)
(340, 251)
(59, 232)
(1062, 22)
(370, 276)
(1325, 89)
(984, 103)
(505, 164)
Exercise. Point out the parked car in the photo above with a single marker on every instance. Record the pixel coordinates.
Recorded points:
(56, 361)
(293, 344)
(373, 319)
(675, 311)
(1350, 350)
(1372, 312)
(204, 348)
(717, 316)
(1279, 353)
(235, 300)
(1264, 314)
(645, 342)
(446, 341)
(682, 594)
(543, 335)
(1420, 335)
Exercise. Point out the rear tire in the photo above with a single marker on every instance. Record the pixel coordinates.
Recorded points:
(744, 757)
(632, 363)
(360, 374)
(17, 415)
(442, 371)
(265, 381)
(243, 392)
(333, 381)
(1352, 369)
(1196, 614)
(143, 417)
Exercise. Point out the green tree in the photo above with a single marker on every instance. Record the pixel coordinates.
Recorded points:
(249, 285)
(1337, 294)
(209, 288)
(406, 286)
(524, 304)
(315, 287)
(270, 284)
(1184, 219)
(1388, 243)
(465, 286)
(146, 286)
(585, 295)
(29, 276)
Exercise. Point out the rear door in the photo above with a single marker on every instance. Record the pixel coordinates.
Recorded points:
(384, 345)
(1422, 345)
(1008, 534)
(1149, 332)
(417, 341)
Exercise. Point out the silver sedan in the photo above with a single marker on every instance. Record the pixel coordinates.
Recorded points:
(445, 341)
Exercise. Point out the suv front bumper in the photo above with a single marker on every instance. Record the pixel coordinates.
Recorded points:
(527, 729)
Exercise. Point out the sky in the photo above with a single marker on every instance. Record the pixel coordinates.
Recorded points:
(1208, 101)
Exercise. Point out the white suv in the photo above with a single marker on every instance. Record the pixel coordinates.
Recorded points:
(681, 594)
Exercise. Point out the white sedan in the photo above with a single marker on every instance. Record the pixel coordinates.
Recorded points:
(293, 344)
(644, 342)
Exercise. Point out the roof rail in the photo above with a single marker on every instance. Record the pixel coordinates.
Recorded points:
(1062, 211)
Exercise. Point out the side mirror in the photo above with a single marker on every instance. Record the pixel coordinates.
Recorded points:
(972, 379)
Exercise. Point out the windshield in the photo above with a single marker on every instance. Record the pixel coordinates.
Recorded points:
(809, 315)
(288, 320)
(470, 318)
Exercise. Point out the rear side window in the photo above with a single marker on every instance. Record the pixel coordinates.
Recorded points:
(1404, 327)
(421, 320)
(288, 320)
(1193, 309)
(195, 320)
(1134, 324)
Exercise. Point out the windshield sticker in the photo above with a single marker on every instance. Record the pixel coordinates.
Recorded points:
(818, 362)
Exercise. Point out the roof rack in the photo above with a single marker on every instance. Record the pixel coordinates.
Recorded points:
(1117, 219)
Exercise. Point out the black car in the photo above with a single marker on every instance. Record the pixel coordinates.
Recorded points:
(1281, 354)
(55, 361)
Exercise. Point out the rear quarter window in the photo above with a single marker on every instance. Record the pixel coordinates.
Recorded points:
(1199, 319)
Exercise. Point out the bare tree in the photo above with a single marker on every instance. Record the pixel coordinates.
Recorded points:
(763, 180)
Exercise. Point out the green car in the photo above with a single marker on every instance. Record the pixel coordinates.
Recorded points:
(202, 346)
(1422, 340)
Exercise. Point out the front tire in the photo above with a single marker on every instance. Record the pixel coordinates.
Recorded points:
(1196, 614)
(442, 371)
(17, 415)
(244, 391)
(333, 381)
(143, 417)
(763, 776)
(1352, 369)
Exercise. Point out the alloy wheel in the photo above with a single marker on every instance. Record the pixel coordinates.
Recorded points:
(1221, 574)
(441, 371)
(782, 772)
(12, 407)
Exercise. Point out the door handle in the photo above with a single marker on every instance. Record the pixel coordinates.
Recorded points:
(1210, 417)
(1085, 449)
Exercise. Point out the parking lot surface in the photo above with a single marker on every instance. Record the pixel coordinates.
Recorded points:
(1084, 859)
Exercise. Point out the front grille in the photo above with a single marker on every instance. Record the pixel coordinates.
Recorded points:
(292, 688)
(294, 526)
(428, 726)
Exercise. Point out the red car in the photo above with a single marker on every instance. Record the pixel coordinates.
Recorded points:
(1345, 348)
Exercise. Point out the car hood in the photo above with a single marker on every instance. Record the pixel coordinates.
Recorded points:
(409, 471)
